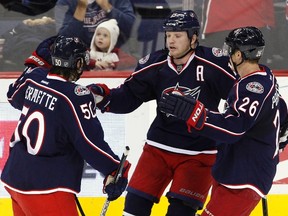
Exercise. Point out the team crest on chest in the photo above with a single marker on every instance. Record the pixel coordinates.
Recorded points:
(255, 87)
(81, 90)
(182, 90)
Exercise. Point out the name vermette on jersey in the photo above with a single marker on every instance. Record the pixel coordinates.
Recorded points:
(40, 97)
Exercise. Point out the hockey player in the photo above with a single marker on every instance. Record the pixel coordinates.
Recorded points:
(171, 153)
(58, 129)
(247, 132)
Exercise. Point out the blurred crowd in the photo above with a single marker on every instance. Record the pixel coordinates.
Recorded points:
(138, 25)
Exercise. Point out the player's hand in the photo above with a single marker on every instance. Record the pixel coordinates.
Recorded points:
(115, 189)
(101, 94)
(82, 3)
(185, 108)
(104, 4)
(103, 65)
(41, 57)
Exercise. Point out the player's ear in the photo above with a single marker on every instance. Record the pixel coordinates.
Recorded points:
(239, 55)
(193, 41)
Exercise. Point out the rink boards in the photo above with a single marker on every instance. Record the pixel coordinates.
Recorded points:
(133, 134)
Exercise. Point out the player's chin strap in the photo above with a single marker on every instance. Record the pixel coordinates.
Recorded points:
(239, 63)
(236, 65)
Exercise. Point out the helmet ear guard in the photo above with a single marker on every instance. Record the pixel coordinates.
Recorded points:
(227, 49)
(80, 63)
(252, 53)
(83, 58)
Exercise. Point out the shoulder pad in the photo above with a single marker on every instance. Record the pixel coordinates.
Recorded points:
(36, 70)
(210, 53)
(214, 55)
(154, 57)
(80, 90)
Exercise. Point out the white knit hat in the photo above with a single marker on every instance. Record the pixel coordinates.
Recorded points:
(112, 26)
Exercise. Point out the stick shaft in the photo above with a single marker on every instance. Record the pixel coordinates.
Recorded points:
(79, 206)
(117, 176)
(264, 206)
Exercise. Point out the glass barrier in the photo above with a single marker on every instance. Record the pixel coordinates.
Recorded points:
(20, 34)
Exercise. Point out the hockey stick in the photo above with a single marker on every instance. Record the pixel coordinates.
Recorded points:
(79, 206)
(264, 206)
(117, 176)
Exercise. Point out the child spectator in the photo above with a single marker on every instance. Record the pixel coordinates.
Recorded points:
(104, 55)
(103, 43)
(94, 12)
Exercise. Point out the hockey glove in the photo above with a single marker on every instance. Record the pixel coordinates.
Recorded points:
(115, 189)
(185, 108)
(101, 94)
(41, 57)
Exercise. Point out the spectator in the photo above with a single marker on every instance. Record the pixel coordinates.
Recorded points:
(247, 132)
(104, 55)
(96, 11)
(153, 14)
(19, 41)
(28, 7)
(171, 154)
(57, 131)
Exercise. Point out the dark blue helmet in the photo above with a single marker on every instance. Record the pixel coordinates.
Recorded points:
(249, 40)
(183, 20)
(67, 51)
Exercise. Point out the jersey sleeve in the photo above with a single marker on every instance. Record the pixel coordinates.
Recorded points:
(140, 86)
(247, 105)
(218, 75)
(123, 100)
(86, 133)
(224, 78)
(16, 91)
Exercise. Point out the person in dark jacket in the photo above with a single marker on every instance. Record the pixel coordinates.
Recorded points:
(95, 12)
(24, 37)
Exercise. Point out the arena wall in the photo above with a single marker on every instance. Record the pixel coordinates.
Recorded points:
(120, 130)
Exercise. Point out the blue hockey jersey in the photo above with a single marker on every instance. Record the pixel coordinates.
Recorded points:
(206, 76)
(58, 129)
(248, 133)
